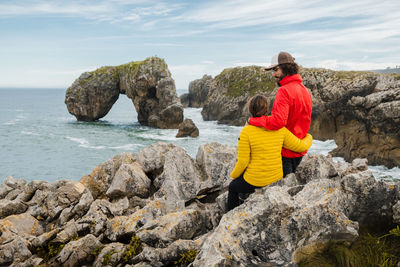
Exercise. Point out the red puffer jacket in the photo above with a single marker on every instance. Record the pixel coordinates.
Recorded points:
(292, 108)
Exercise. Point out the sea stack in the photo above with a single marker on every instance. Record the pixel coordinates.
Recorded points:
(147, 83)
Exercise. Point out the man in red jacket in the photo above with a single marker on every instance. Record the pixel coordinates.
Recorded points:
(292, 107)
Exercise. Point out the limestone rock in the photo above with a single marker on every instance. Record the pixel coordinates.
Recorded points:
(184, 100)
(147, 83)
(130, 180)
(167, 255)
(187, 128)
(99, 180)
(359, 110)
(217, 162)
(16, 250)
(198, 91)
(171, 227)
(110, 255)
(180, 179)
(8, 207)
(280, 226)
(230, 91)
(152, 158)
(23, 225)
(77, 253)
(183, 214)
(93, 94)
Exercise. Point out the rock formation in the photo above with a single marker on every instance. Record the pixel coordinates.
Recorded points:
(187, 128)
(198, 92)
(230, 91)
(147, 83)
(359, 110)
(161, 208)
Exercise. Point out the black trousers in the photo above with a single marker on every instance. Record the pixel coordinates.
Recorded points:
(289, 165)
(237, 186)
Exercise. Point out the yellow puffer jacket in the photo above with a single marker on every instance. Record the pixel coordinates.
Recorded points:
(259, 153)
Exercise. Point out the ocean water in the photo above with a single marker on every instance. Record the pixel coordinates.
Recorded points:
(40, 140)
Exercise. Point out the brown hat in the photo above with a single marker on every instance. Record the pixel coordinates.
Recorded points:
(282, 57)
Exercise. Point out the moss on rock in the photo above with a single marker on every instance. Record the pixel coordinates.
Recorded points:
(245, 80)
(367, 250)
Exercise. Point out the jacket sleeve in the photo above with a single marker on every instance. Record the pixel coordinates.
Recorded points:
(279, 114)
(295, 144)
(243, 155)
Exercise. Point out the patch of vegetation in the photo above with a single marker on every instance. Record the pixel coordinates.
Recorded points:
(396, 76)
(49, 251)
(367, 250)
(242, 80)
(107, 257)
(186, 258)
(133, 249)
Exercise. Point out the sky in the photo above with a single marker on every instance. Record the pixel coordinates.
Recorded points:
(48, 44)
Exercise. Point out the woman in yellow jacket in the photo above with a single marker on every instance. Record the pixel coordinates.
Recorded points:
(259, 154)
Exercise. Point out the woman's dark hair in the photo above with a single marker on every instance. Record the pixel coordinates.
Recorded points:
(289, 68)
(258, 106)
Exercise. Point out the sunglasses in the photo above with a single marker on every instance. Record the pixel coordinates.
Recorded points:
(275, 69)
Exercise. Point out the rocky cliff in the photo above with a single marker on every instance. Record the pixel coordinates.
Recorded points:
(198, 92)
(147, 83)
(162, 208)
(359, 110)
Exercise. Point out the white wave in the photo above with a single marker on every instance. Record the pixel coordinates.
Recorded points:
(30, 133)
(128, 147)
(165, 135)
(93, 147)
(81, 141)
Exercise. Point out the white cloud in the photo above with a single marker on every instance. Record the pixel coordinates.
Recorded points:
(334, 64)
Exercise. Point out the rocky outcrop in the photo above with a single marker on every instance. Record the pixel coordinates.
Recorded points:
(162, 208)
(230, 92)
(187, 128)
(359, 110)
(147, 83)
(198, 92)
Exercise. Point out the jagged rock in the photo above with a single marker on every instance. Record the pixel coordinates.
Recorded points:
(77, 253)
(130, 180)
(147, 83)
(152, 158)
(230, 91)
(170, 254)
(110, 255)
(173, 226)
(198, 91)
(11, 188)
(271, 227)
(99, 180)
(14, 251)
(217, 162)
(180, 179)
(50, 200)
(23, 225)
(185, 212)
(8, 207)
(120, 226)
(315, 167)
(33, 261)
(92, 95)
(184, 100)
(359, 110)
(187, 128)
